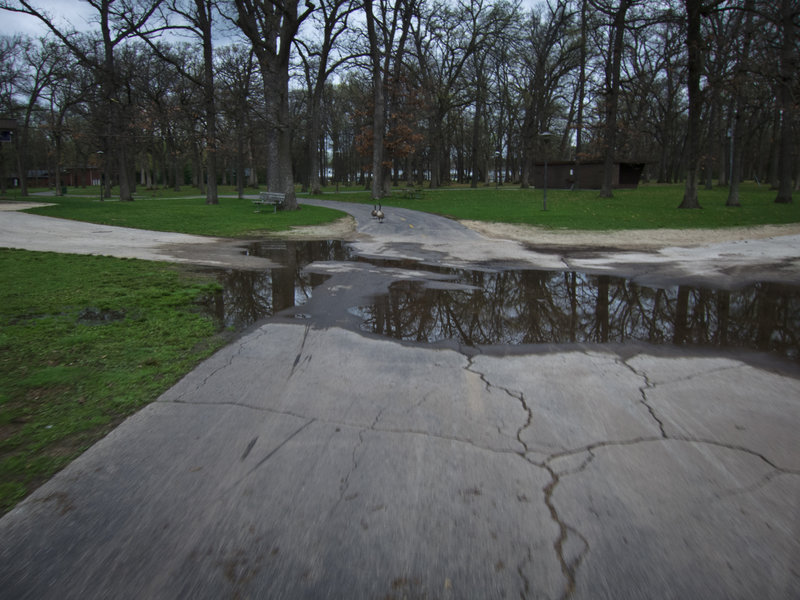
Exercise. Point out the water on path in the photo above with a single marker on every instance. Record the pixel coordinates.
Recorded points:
(427, 304)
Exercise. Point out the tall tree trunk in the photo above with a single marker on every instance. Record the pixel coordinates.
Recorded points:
(271, 27)
(736, 137)
(695, 63)
(314, 132)
(612, 99)
(713, 128)
(528, 135)
(788, 68)
(379, 101)
(204, 8)
(57, 161)
(581, 100)
(116, 124)
(476, 138)
(476, 125)
(240, 175)
(284, 135)
(775, 146)
(436, 150)
(22, 169)
(736, 162)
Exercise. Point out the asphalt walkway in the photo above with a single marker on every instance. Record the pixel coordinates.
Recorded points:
(304, 462)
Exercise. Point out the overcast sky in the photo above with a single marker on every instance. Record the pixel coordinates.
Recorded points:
(78, 13)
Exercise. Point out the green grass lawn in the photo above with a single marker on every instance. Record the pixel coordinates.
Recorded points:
(232, 217)
(648, 207)
(85, 342)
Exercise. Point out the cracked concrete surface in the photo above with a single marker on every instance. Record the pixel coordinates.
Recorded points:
(314, 462)
(425, 473)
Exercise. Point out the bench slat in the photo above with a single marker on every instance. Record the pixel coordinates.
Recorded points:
(275, 198)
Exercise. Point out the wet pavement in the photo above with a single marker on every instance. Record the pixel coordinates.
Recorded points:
(415, 302)
(393, 432)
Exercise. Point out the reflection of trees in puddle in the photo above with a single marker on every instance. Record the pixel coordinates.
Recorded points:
(524, 307)
(518, 307)
(248, 296)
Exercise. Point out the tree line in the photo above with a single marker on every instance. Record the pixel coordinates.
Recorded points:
(378, 92)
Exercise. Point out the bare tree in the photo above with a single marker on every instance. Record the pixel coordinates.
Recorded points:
(787, 20)
(551, 53)
(318, 67)
(738, 91)
(387, 33)
(236, 78)
(10, 73)
(40, 64)
(196, 17)
(118, 21)
(65, 90)
(694, 42)
(445, 38)
(617, 13)
(271, 27)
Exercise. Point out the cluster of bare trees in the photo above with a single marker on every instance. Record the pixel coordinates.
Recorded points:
(170, 92)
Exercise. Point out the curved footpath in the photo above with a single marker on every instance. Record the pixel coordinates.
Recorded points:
(304, 462)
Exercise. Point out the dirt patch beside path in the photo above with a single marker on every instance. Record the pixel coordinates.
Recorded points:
(342, 229)
(635, 239)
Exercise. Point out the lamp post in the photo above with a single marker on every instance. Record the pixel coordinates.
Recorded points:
(337, 167)
(100, 169)
(497, 157)
(545, 137)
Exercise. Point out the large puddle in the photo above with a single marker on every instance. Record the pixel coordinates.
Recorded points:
(514, 306)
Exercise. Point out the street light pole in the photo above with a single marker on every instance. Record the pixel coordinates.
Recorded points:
(100, 169)
(497, 157)
(545, 137)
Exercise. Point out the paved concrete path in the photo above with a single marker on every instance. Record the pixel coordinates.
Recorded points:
(408, 234)
(308, 462)
(47, 234)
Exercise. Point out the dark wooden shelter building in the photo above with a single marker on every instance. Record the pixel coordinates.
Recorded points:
(586, 175)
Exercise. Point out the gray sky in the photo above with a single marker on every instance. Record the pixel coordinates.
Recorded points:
(78, 13)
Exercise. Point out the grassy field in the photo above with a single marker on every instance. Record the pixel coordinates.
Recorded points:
(649, 207)
(85, 342)
(232, 217)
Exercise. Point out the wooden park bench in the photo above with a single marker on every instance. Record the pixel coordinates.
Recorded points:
(276, 199)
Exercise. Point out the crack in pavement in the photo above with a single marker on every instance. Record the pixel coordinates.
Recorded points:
(526, 584)
(344, 482)
(568, 567)
(571, 560)
(571, 547)
(300, 353)
(735, 448)
(198, 386)
(643, 391)
(692, 439)
(269, 455)
(755, 486)
(517, 395)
